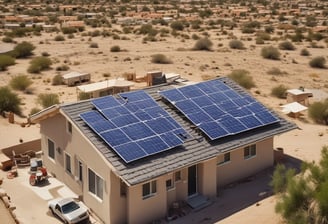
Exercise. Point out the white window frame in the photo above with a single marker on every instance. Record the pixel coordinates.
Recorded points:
(68, 163)
(152, 188)
(224, 159)
(98, 189)
(250, 151)
(53, 149)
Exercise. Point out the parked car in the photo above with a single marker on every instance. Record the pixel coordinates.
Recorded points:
(69, 210)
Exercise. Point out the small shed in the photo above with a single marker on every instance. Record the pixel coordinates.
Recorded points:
(293, 109)
(104, 88)
(75, 78)
(300, 95)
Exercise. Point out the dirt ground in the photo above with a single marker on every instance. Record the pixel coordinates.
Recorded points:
(250, 201)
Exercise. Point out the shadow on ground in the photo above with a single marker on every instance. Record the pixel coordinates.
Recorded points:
(238, 196)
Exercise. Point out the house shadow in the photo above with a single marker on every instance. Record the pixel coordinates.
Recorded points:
(239, 195)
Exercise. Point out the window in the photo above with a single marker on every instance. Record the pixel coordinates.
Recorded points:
(177, 176)
(95, 184)
(249, 151)
(224, 159)
(68, 163)
(80, 171)
(122, 189)
(51, 149)
(69, 127)
(149, 189)
(169, 184)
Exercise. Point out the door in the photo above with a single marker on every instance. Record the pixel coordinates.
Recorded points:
(192, 180)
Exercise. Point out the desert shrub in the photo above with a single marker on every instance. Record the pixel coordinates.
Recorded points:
(263, 35)
(115, 48)
(242, 77)
(59, 38)
(93, 45)
(62, 68)
(177, 25)
(275, 71)
(34, 110)
(84, 96)
(70, 36)
(195, 36)
(20, 82)
(270, 52)
(305, 52)
(7, 39)
(203, 44)
(57, 80)
(9, 101)
(259, 40)
(23, 50)
(5, 61)
(39, 64)
(45, 54)
(269, 29)
(279, 91)
(68, 30)
(48, 99)
(286, 45)
(160, 59)
(236, 44)
(318, 62)
(318, 111)
(147, 29)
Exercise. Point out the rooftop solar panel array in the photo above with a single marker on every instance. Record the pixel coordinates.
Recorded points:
(219, 110)
(134, 125)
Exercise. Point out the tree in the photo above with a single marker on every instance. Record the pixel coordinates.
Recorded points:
(6, 61)
(23, 50)
(303, 198)
(9, 101)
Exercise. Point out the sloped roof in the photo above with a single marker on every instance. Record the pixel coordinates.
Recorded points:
(293, 108)
(195, 150)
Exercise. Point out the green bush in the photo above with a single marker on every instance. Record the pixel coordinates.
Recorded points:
(34, 110)
(57, 80)
(318, 62)
(93, 45)
(62, 68)
(7, 39)
(5, 61)
(9, 101)
(305, 52)
(115, 48)
(39, 64)
(20, 82)
(59, 38)
(242, 77)
(318, 111)
(279, 91)
(203, 44)
(84, 96)
(286, 45)
(270, 52)
(48, 99)
(23, 50)
(236, 44)
(147, 29)
(68, 30)
(160, 59)
(259, 40)
(177, 25)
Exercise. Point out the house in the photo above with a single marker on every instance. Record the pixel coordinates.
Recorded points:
(142, 151)
(73, 78)
(107, 87)
(300, 95)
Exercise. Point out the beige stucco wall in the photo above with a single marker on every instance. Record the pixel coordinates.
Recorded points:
(207, 178)
(239, 168)
(80, 149)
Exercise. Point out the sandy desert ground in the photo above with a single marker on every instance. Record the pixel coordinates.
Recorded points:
(304, 143)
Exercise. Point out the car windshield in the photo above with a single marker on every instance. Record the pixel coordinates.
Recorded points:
(69, 207)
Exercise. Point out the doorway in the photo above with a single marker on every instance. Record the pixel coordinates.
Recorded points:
(192, 180)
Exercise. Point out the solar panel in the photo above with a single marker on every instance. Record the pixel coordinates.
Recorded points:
(134, 125)
(217, 109)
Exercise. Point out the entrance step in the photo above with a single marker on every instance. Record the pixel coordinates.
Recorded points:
(198, 202)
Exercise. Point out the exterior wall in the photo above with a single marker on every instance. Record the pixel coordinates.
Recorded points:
(239, 168)
(79, 149)
(207, 178)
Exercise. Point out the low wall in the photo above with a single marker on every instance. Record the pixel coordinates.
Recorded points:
(34, 145)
